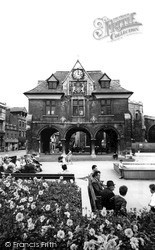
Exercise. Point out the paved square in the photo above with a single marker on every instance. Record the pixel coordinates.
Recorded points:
(138, 190)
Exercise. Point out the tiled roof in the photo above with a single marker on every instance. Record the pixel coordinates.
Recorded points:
(114, 84)
(18, 109)
(42, 86)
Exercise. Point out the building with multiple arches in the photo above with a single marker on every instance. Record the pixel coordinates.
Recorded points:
(79, 110)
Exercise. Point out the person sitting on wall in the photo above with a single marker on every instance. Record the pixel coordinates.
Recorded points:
(8, 166)
(63, 163)
(18, 166)
(30, 166)
(119, 201)
(121, 167)
(36, 163)
(22, 163)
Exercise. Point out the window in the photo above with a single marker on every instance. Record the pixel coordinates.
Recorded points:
(52, 85)
(105, 107)
(20, 123)
(50, 107)
(78, 107)
(1, 125)
(138, 115)
(105, 84)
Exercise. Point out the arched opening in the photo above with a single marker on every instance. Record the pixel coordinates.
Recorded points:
(78, 140)
(151, 134)
(106, 141)
(50, 141)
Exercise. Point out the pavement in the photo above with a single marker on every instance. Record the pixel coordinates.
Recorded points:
(138, 195)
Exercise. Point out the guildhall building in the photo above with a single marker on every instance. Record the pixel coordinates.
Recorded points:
(79, 110)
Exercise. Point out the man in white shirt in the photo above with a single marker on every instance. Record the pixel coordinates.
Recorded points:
(152, 201)
(121, 166)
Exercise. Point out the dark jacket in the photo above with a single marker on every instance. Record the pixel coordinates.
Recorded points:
(97, 186)
(107, 202)
(120, 205)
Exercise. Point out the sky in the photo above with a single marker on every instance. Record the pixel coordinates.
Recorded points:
(39, 37)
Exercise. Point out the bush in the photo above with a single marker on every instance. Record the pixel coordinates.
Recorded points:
(35, 214)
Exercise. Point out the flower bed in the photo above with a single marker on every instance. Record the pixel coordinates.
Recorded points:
(35, 214)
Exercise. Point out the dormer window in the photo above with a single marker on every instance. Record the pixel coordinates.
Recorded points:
(52, 85)
(105, 84)
(105, 81)
(52, 82)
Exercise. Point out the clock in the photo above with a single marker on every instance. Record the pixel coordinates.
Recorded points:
(78, 74)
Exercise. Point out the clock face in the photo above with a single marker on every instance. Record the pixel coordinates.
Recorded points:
(78, 74)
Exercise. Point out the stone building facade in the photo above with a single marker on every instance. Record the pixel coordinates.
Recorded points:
(138, 121)
(76, 102)
(2, 125)
(15, 128)
(150, 128)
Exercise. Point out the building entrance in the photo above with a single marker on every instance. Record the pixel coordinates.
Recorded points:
(50, 141)
(106, 141)
(78, 140)
(151, 134)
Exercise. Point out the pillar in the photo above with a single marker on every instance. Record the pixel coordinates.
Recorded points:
(63, 141)
(93, 148)
(118, 146)
(39, 146)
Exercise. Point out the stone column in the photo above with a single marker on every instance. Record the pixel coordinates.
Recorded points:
(39, 146)
(93, 155)
(118, 146)
(122, 143)
(63, 141)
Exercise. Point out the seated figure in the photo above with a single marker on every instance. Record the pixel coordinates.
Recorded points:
(8, 166)
(107, 194)
(29, 167)
(1, 164)
(119, 201)
(95, 189)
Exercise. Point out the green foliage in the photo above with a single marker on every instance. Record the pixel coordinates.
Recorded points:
(35, 214)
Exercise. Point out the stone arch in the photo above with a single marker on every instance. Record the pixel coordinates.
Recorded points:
(107, 138)
(151, 134)
(45, 134)
(78, 139)
(49, 126)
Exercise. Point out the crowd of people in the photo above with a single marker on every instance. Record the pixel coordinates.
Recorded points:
(25, 164)
(104, 195)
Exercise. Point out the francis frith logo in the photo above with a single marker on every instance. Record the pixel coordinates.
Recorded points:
(117, 27)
